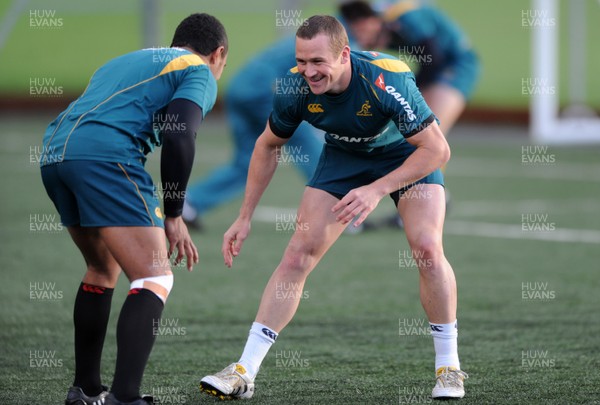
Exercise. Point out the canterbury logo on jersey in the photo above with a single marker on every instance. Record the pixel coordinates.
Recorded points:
(315, 108)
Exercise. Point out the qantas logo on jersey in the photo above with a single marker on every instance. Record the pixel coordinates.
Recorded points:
(409, 112)
(353, 139)
(380, 82)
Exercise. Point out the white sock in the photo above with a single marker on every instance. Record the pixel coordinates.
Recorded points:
(259, 342)
(445, 343)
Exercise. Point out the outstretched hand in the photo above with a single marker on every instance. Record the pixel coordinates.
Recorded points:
(359, 202)
(180, 241)
(234, 239)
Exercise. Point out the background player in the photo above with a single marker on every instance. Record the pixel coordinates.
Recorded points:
(448, 65)
(248, 102)
(93, 170)
(382, 139)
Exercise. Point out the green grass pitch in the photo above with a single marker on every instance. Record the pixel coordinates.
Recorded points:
(528, 309)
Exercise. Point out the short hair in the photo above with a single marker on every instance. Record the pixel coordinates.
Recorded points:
(201, 32)
(356, 10)
(328, 25)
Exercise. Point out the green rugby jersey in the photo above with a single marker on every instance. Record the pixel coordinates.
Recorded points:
(120, 115)
(382, 105)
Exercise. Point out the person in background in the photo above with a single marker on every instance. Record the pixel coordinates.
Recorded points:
(448, 66)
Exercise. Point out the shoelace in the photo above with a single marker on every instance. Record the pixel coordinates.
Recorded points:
(453, 376)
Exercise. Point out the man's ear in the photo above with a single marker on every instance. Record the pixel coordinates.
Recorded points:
(217, 54)
(345, 54)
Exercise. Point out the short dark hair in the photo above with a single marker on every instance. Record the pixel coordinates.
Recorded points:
(201, 32)
(328, 25)
(356, 10)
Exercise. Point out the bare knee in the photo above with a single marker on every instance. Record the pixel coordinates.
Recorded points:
(427, 252)
(298, 261)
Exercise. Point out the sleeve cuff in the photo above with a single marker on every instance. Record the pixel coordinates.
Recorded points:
(421, 126)
(280, 133)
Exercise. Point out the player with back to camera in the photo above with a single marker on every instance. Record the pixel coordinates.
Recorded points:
(381, 139)
(93, 171)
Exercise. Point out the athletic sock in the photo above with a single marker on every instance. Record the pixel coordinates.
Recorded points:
(90, 318)
(135, 339)
(445, 336)
(259, 342)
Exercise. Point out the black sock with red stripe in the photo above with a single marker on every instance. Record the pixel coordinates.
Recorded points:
(90, 317)
(135, 338)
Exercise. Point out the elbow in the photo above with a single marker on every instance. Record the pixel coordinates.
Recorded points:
(262, 145)
(444, 153)
(268, 143)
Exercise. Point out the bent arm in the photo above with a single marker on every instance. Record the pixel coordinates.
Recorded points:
(432, 153)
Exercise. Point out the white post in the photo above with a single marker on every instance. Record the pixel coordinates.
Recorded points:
(544, 62)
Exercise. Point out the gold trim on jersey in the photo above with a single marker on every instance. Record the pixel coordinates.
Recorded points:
(398, 9)
(294, 69)
(179, 63)
(138, 192)
(182, 63)
(370, 86)
(99, 104)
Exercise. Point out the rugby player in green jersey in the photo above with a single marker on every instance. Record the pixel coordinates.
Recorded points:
(381, 139)
(93, 171)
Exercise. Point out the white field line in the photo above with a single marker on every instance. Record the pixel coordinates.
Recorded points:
(506, 231)
(502, 168)
(492, 207)
(269, 214)
(476, 229)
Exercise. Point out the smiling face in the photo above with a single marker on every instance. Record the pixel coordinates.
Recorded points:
(324, 71)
